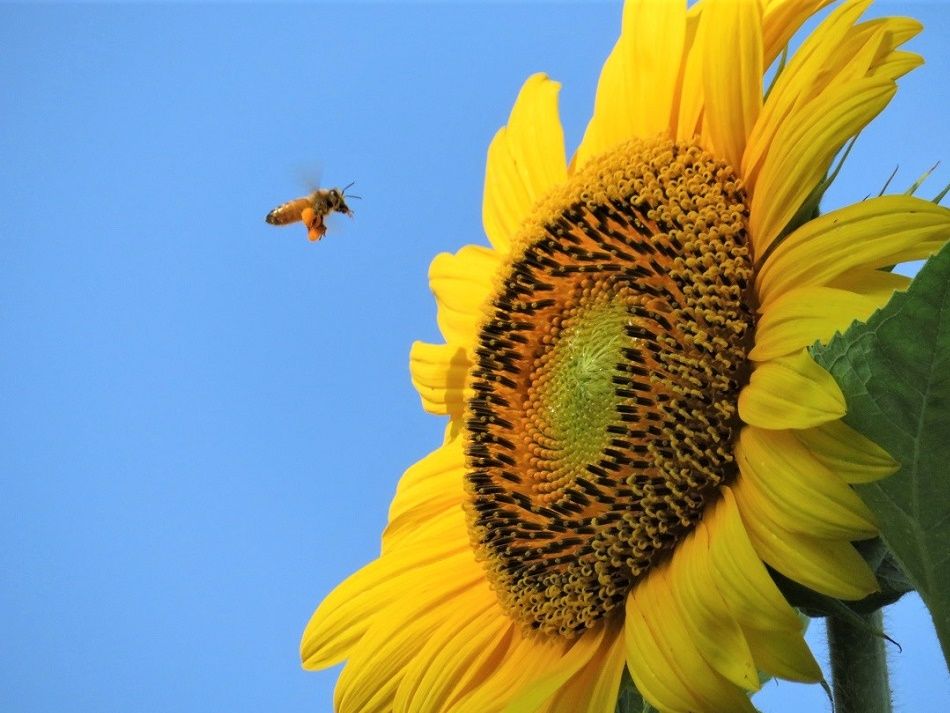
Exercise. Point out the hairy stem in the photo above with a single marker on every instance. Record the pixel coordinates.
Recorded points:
(859, 665)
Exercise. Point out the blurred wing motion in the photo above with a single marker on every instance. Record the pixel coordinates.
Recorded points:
(312, 210)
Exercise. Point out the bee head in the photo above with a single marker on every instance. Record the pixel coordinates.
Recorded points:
(341, 204)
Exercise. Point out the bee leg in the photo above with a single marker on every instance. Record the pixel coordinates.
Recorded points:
(315, 227)
(316, 231)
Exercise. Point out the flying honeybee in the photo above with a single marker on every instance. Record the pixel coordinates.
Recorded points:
(312, 210)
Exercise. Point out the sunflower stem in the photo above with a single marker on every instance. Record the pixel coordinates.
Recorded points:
(859, 665)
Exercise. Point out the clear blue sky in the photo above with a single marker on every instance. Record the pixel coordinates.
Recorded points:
(204, 417)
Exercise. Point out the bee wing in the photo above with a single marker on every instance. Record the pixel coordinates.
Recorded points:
(335, 223)
(309, 176)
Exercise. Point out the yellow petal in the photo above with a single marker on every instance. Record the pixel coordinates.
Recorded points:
(831, 567)
(853, 59)
(527, 658)
(660, 684)
(540, 688)
(877, 232)
(791, 392)
(368, 683)
(685, 674)
(378, 665)
(745, 584)
(879, 285)
(837, 53)
(637, 86)
(594, 688)
(342, 619)
(781, 20)
(438, 372)
(784, 654)
(899, 31)
(462, 284)
(535, 136)
(897, 65)
(430, 488)
(733, 39)
(806, 315)
(802, 150)
(850, 455)
(772, 629)
(487, 661)
(344, 616)
(712, 627)
(437, 506)
(689, 109)
(797, 491)
(525, 160)
(473, 630)
(440, 469)
(800, 80)
(448, 524)
(886, 61)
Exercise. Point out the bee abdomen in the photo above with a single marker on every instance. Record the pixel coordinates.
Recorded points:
(288, 212)
(277, 217)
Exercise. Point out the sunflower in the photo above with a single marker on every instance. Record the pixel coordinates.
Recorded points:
(636, 429)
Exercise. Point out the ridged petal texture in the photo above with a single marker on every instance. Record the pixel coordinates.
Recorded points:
(420, 628)
(525, 159)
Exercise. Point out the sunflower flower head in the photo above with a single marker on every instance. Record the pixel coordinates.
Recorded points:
(636, 428)
(605, 380)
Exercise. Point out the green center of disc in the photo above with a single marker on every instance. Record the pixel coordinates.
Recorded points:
(573, 398)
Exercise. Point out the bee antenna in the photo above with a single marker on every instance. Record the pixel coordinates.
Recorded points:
(347, 186)
(354, 196)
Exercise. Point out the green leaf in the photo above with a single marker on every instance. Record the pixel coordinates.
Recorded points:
(894, 371)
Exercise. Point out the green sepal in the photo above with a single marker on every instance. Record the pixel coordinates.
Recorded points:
(891, 579)
(629, 700)
(815, 605)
